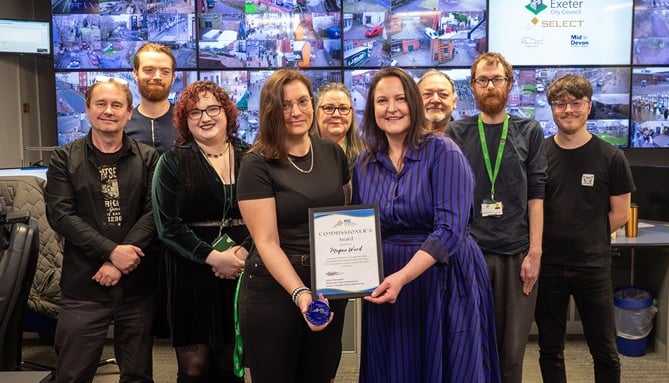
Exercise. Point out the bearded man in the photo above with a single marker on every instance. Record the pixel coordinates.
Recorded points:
(439, 99)
(506, 156)
(154, 71)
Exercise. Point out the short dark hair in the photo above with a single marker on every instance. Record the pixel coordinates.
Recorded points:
(120, 84)
(572, 85)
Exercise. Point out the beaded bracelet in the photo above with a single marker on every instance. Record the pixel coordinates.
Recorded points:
(299, 291)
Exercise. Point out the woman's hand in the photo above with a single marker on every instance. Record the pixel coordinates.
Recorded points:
(225, 264)
(388, 290)
(241, 253)
(303, 303)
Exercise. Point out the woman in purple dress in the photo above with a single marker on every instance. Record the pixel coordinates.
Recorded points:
(430, 319)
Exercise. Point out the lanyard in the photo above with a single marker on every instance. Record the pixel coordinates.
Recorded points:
(486, 155)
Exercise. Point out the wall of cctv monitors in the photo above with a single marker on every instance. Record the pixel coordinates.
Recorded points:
(620, 46)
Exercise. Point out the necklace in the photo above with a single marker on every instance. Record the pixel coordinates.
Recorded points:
(231, 161)
(400, 160)
(216, 155)
(311, 167)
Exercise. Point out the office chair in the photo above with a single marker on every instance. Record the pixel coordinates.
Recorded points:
(19, 241)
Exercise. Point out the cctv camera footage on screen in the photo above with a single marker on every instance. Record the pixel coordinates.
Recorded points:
(651, 32)
(650, 108)
(610, 100)
(238, 43)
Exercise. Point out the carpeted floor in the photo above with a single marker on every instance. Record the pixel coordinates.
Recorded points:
(647, 369)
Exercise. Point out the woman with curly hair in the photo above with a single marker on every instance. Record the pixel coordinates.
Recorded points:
(194, 201)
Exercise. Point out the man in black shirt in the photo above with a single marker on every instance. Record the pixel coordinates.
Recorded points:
(98, 197)
(587, 198)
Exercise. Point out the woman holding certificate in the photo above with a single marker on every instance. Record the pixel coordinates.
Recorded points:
(285, 173)
(430, 319)
(194, 205)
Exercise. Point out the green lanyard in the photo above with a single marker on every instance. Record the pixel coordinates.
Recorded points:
(238, 351)
(486, 155)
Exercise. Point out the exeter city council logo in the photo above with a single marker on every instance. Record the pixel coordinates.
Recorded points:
(536, 6)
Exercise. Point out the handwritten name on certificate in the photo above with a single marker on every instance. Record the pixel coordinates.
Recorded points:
(346, 259)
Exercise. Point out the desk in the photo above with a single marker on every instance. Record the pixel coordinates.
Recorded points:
(650, 234)
(25, 376)
(651, 272)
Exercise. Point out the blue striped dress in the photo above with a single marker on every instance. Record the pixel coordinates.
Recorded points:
(441, 328)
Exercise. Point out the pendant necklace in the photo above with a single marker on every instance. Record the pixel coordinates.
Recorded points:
(216, 155)
(311, 167)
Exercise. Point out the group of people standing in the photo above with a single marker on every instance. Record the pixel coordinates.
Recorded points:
(472, 213)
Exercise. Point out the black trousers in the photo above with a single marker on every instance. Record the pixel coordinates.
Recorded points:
(279, 347)
(593, 295)
(82, 330)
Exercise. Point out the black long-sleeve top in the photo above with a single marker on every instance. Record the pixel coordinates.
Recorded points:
(75, 209)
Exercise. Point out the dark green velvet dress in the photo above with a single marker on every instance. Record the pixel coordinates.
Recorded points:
(189, 201)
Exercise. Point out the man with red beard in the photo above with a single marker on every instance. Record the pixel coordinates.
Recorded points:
(439, 99)
(506, 155)
(588, 191)
(151, 123)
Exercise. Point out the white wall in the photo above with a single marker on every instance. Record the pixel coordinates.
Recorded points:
(30, 81)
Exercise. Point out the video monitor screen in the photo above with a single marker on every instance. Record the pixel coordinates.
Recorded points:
(415, 33)
(651, 35)
(107, 35)
(72, 122)
(609, 117)
(561, 32)
(650, 108)
(25, 37)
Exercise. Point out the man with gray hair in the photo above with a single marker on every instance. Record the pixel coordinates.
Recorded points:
(439, 99)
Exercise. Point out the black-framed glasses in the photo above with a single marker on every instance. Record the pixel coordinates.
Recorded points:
(303, 103)
(576, 105)
(331, 109)
(483, 82)
(211, 110)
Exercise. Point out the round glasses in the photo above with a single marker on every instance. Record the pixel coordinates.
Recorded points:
(576, 105)
(483, 82)
(212, 111)
(303, 103)
(331, 109)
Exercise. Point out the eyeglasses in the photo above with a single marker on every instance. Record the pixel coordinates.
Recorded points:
(483, 82)
(212, 111)
(331, 109)
(576, 105)
(303, 103)
(111, 79)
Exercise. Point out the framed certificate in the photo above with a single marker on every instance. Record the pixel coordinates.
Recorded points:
(346, 257)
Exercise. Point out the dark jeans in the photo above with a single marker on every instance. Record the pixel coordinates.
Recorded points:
(593, 295)
(279, 347)
(82, 330)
